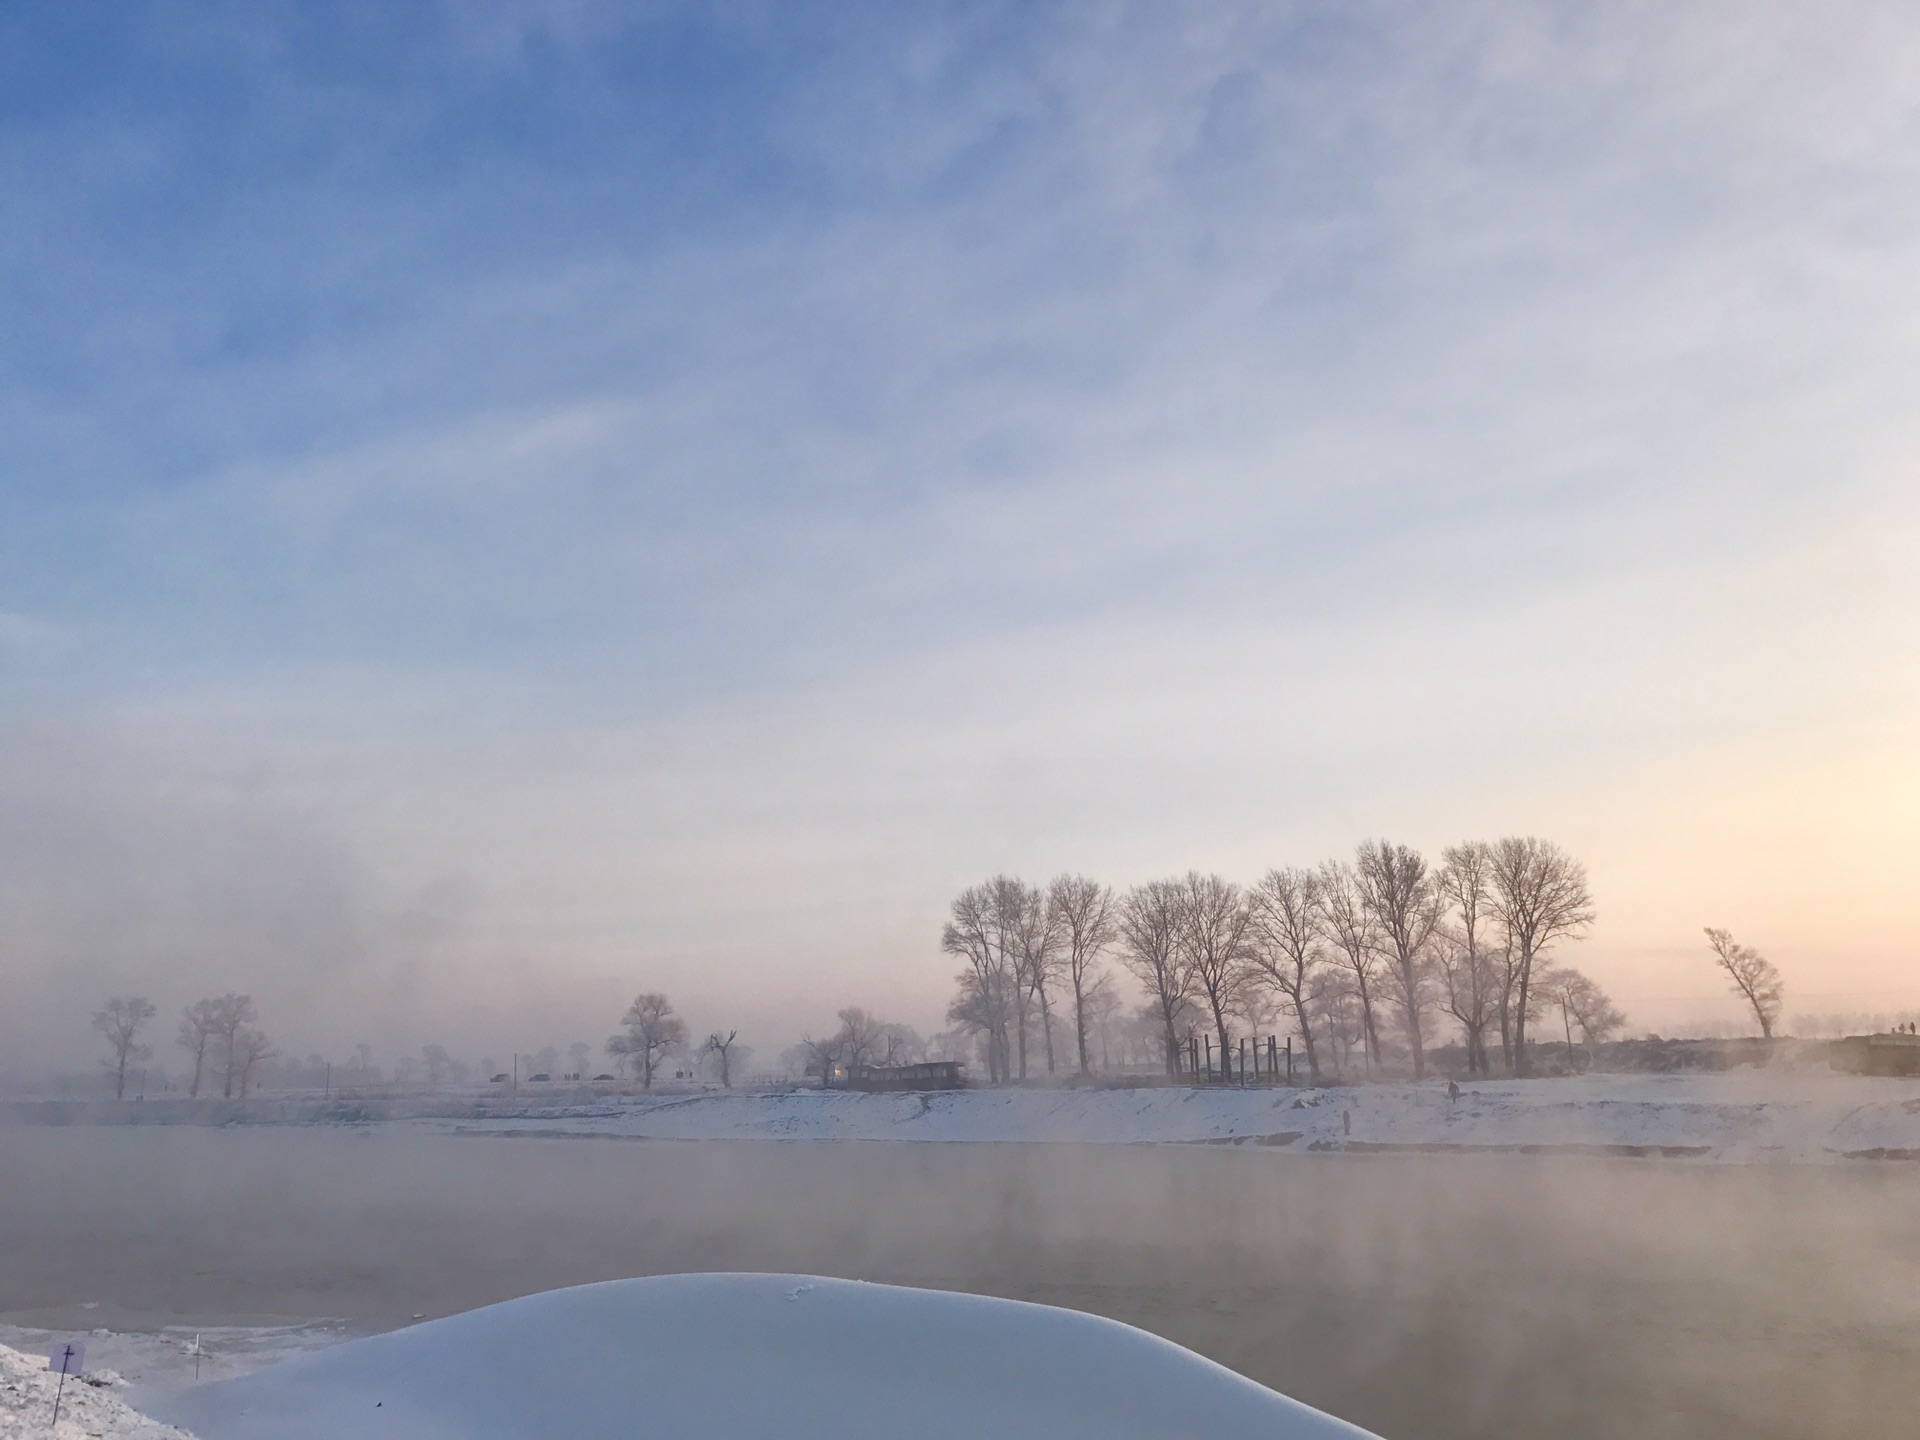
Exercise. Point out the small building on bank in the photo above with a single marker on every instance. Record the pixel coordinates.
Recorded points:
(1893, 1054)
(927, 1075)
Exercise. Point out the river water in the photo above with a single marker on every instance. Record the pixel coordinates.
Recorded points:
(1416, 1295)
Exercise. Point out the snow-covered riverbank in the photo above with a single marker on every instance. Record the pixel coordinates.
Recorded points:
(1739, 1116)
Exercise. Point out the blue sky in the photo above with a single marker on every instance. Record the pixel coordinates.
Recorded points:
(503, 505)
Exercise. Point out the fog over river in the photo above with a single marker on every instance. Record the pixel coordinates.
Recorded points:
(1416, 1295)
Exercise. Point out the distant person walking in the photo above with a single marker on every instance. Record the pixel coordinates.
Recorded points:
(1453, 1091)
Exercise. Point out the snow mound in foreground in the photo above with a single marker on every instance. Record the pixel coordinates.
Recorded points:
(750, 1356)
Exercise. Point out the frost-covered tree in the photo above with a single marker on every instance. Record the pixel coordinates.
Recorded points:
(652, 1030)
(245, 1050)
(1582, 1004)
(1752, 976)
(199, 1023)
(120, 1020)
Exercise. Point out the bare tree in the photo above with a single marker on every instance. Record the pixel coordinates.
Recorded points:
(198, 1023)
(1753, 977)
(982, 932)
(1151, 951)
(1582, 1004)
(1467, 967)
(897, 1044)
(1285, 943)
(822, 1055)
(721, 1048)
(1400, 891)
(1470, 990)
(1213, 936)
(652, 1030)
(1036, 958)
(1085, 916)
(229, 1015)
(1539, 896)
(973, 1013)
(860, 1037)
(1101, 1008)
(120, 1021)
(1335, 1001)
(248, 1047)
(1356, 938)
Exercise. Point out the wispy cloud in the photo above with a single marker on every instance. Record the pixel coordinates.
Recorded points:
(815, 454)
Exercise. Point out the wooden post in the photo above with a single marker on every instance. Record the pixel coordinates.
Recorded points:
(1207, 1040)
(1243, 1060)
(1289, 1059)
(1273, 1056)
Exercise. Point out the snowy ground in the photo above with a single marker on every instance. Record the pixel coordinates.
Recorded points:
(1741, 1116)
(744, 1355)
(166, 1357)
(89, 1407)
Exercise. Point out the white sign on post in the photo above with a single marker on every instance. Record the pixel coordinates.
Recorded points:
(69, 1359)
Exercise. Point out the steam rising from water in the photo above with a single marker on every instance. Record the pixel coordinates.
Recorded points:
(1418, 1296)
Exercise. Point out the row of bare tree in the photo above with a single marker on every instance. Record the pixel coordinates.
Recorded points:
(221, 1033)
(1387, 930)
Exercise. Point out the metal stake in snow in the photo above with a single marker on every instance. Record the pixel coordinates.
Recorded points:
(196, 1357)
(69, 1359)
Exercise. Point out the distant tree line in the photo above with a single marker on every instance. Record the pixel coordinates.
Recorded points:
(219, 1034)
(1360, 957)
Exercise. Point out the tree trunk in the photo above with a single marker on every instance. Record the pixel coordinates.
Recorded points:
(1372, 1047)
(1080, 1023)
(1407, 983)
(1306, 1038)
(1520, 1066)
